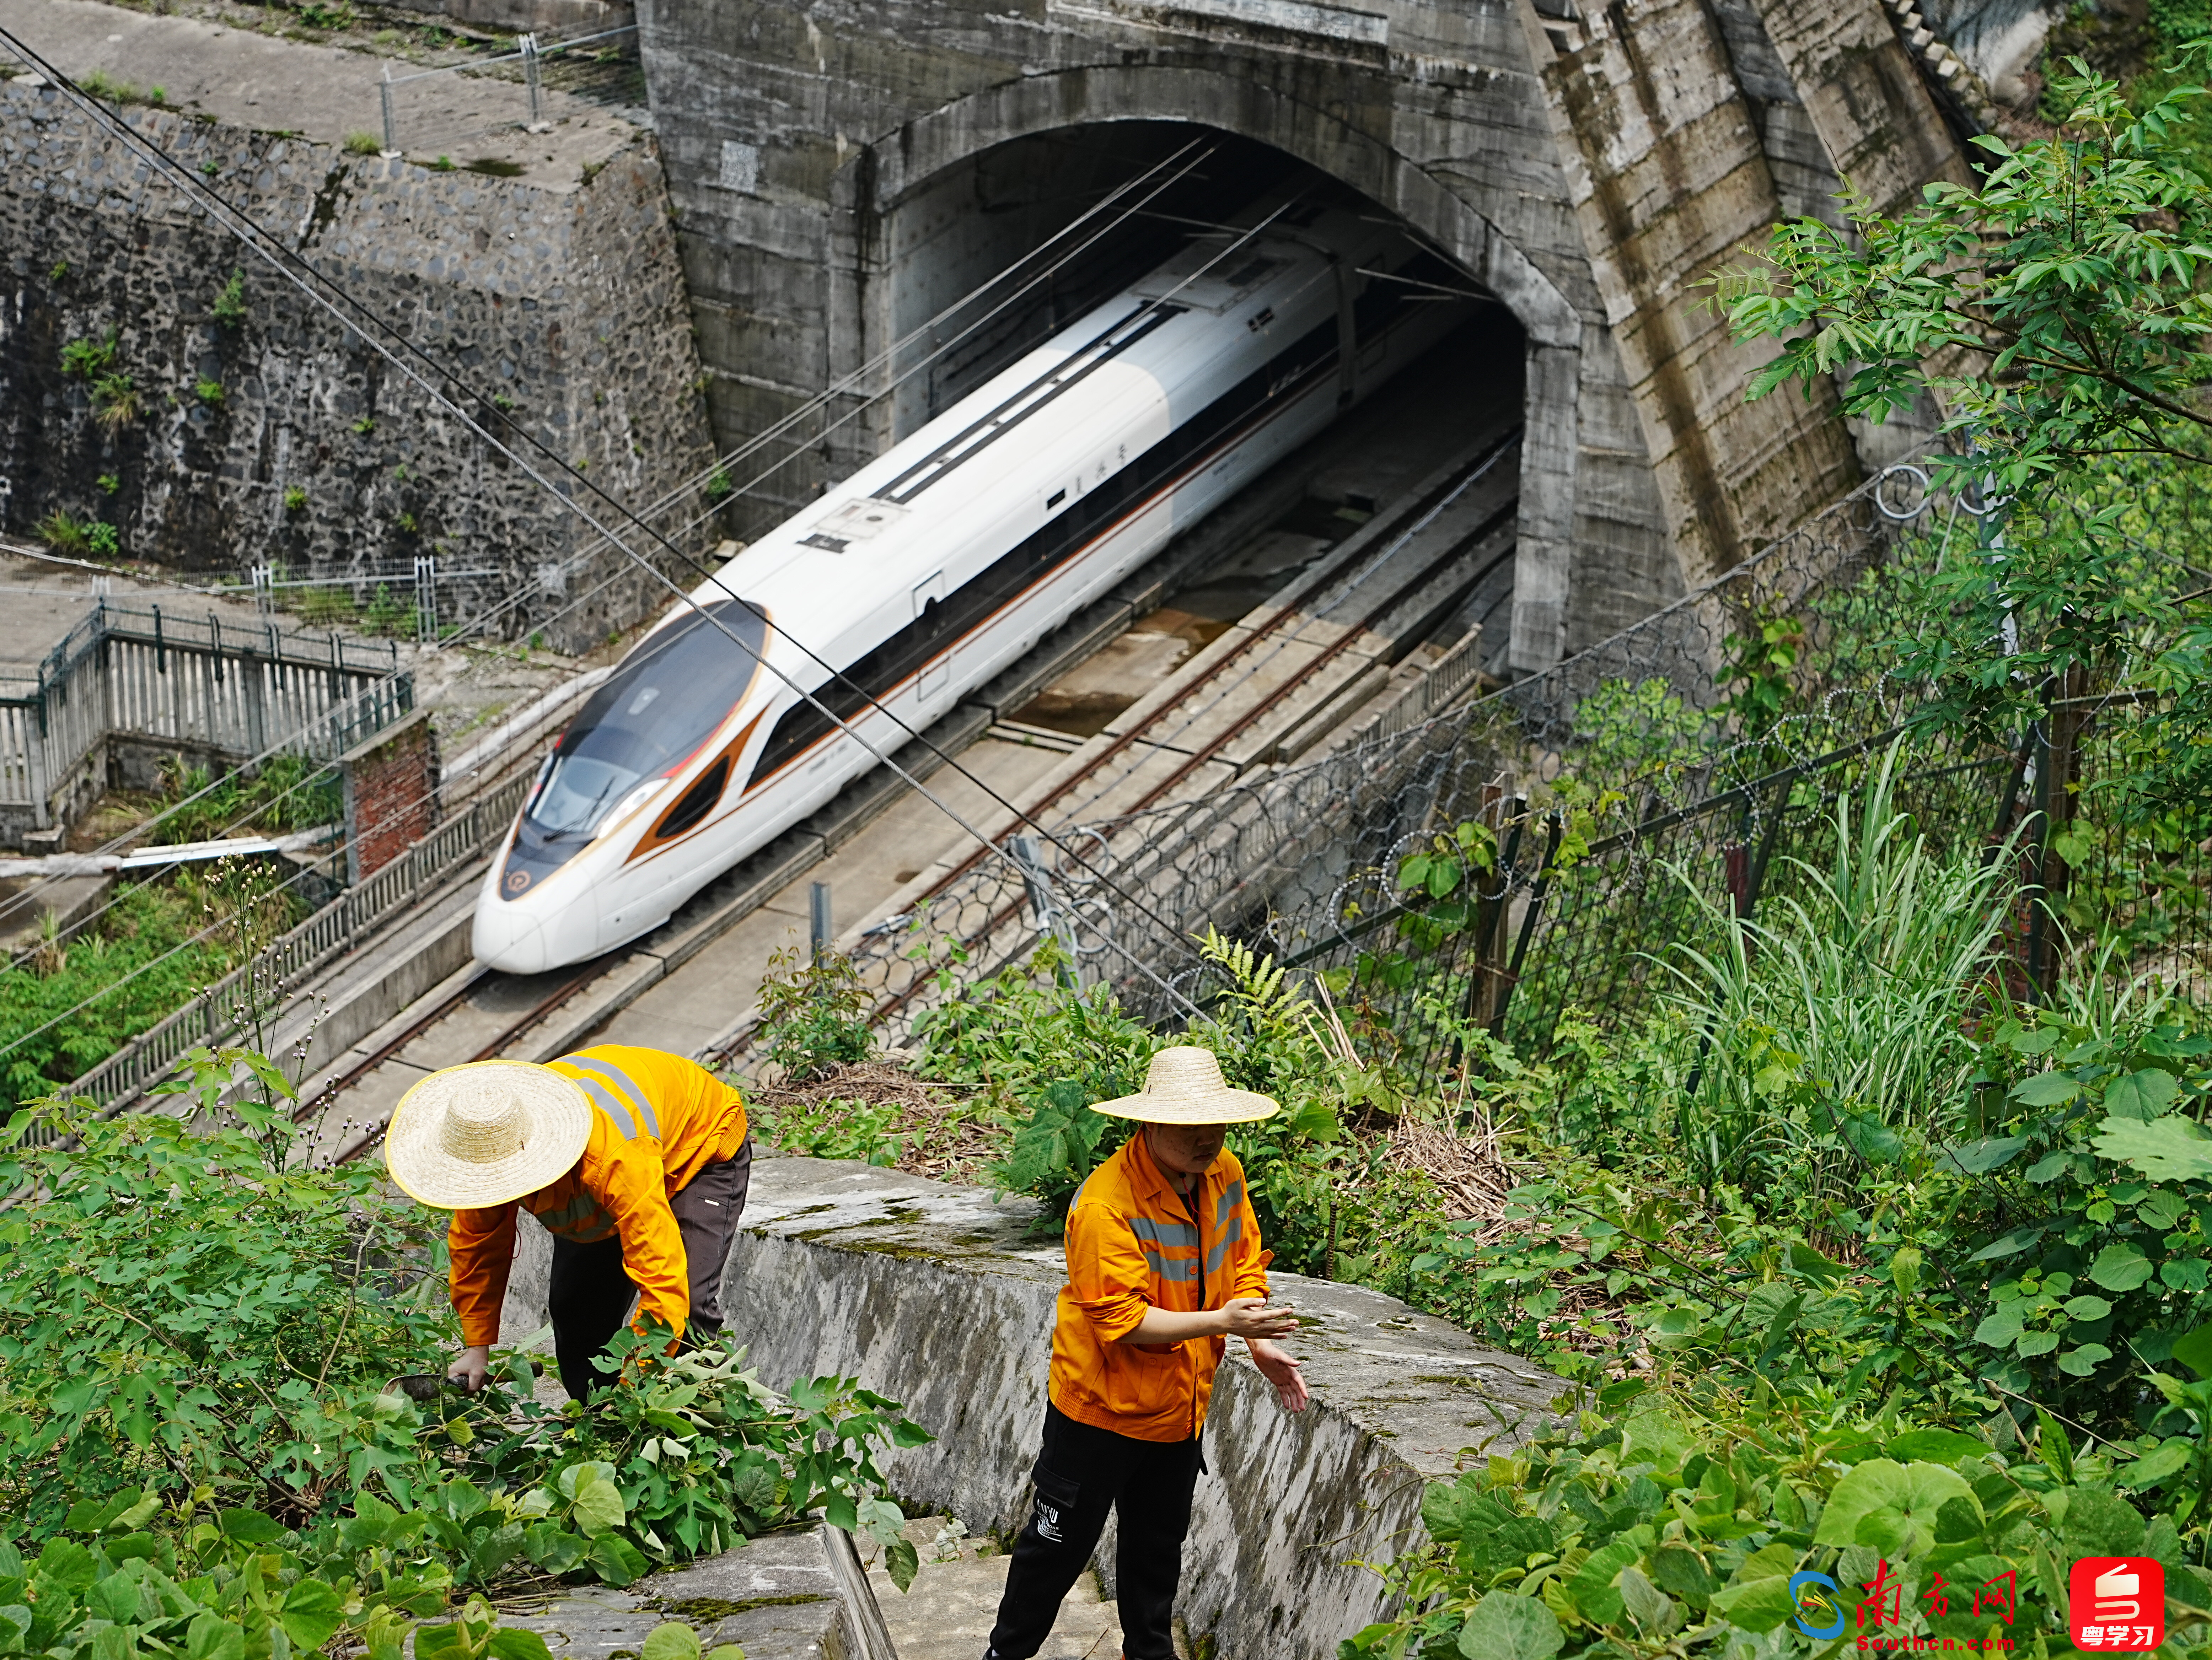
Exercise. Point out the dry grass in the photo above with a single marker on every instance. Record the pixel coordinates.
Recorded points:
(941, 1130)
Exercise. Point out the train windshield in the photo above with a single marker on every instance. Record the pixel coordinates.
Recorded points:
(665, 700)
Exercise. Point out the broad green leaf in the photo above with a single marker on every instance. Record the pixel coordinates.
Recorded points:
(2007, 1245)
(670, 1640)
(2120, 1267)
(1757, 1605)
(1592, 1588)
(901, 1561)
(2086, 1307)
(250, 1527)
(616, 1560)
(1990, 1152)
(1505, 1626)
(2032, 1343)
(514, 1643)
(209, 1637)
(1654, 1434)
(1886, 1493)
(599, 1506)
(115, 1597)
(2100, 1524)
(2195, 1351)
(2141, 1095)
(2168, 1150)
(2002, 1323)
(2081, 1362)
(310, 1613)
(2175, 1454)
(2046, 1089)
(445, 1641)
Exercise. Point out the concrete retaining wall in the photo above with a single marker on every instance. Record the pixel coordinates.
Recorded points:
(274, 436)
(930, 1295)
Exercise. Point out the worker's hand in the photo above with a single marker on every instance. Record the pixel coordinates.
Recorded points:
(471, 1368)
(1276, 1365)
(1254, 1316)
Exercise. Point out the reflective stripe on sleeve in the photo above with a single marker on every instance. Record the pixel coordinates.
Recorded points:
(1174, 1235)
(1234, 1233)
(1225, 1207)
(615, 1076)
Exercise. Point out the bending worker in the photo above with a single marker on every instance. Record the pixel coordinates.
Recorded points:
(636, 1162)
(1163, 1266)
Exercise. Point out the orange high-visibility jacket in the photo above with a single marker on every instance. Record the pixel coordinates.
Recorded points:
(657, 1120)
(1135, 1243)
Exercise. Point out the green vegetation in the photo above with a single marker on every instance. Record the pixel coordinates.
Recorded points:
(209, 391)
(229, 307)
(364, 143)
(78, 538)
(296, 498)
(232, 1333)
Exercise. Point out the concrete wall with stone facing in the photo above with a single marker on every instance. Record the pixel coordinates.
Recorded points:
(932, 1295)
(390, 785)
(566, 301)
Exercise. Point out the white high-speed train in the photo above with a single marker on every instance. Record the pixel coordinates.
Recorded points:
(938, 564)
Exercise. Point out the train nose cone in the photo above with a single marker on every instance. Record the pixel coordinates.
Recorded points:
(508, 936)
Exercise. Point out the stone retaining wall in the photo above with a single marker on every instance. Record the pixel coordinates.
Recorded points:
(929, 1293)
(273, 436)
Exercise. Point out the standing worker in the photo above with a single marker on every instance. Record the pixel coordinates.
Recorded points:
(635, 1161)
(1163, 1267)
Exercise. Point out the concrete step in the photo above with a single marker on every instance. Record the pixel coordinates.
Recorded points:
(947, 1614)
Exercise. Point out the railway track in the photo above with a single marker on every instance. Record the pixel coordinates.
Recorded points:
(1368, 606)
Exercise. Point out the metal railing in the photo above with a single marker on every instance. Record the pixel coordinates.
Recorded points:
(175, 677)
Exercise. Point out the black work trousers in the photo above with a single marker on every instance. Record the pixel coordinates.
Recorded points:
(591, 1294)
(1082, 1473)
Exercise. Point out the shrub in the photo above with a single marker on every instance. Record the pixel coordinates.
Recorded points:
(102, 540)
(814, 1015)
(209, 392)
(109, 483)
(295, 501)
(387, 615)
(364, 143)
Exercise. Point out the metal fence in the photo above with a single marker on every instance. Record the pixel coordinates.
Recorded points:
(196, 681)
(1610, 810)
(433, 107)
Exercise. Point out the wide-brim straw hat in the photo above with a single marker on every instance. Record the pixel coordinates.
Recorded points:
(1184, 1085)
(478, 1135)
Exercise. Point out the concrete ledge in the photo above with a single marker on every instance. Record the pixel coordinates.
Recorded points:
(787, 1597)
(929, 1294)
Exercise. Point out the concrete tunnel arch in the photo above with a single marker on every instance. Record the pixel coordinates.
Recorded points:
(897, 165)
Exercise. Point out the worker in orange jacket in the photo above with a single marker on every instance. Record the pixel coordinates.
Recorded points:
(636, 1162)
(1163, 1267)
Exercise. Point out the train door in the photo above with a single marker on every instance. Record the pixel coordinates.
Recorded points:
(936, 675)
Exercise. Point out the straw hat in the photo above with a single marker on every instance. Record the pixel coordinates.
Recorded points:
(485, 1133)
(1183, 1086)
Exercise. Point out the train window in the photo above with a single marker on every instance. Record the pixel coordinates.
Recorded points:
(665, 700)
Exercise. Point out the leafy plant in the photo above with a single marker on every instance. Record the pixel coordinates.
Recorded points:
(1684, 1526)
(109, 483)
(814, 1013)
(364, 143)
(209, 391)
(229, 307)
(296, 498)
(102, 540)
(87, 358)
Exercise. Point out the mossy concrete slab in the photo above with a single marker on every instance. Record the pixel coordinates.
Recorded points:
(933, 1295)
(779, 1598)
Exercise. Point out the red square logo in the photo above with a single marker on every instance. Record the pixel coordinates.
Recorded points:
(2116, 1603)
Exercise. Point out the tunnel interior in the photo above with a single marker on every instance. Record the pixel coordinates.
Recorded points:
(1000, 212)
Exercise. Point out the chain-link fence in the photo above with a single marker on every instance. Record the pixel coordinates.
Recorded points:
(1612, 825)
